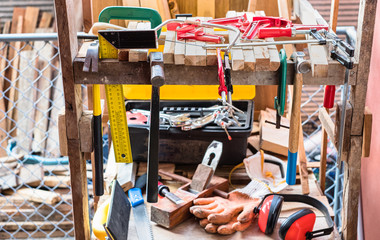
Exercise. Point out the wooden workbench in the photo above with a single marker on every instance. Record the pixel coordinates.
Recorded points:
(110, 72)
(192, 228)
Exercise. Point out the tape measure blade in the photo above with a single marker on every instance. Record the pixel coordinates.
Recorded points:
(119, 125)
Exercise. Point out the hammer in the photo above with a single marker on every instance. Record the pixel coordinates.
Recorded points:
(301, 66)
(157, 79)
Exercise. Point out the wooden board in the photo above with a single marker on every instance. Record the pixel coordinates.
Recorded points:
(30, 22)
(195, 55)
(17, 27)
(367, 132)
(43, 84)
(237, 56)
(169, 47)
(3, 120)
(206, 8)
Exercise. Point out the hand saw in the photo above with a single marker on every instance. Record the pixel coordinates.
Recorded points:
(114, 93)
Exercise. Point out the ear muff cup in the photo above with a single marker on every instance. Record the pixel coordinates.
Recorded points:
(297, 225)
(269, 213)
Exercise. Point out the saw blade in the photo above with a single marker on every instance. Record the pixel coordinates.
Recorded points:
(143, 227)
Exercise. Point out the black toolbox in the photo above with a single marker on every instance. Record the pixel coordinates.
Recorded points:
(188, 147)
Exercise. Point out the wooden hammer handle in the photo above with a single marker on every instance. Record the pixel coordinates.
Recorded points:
(295, 115)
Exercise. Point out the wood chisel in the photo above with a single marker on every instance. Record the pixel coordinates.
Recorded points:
(164, 191)
(142, 222)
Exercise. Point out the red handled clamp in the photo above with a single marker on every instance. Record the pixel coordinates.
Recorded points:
(222, 85)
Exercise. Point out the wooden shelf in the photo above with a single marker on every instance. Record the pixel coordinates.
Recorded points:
(113, 71)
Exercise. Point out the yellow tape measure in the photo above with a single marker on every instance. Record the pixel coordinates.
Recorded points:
(116, 110)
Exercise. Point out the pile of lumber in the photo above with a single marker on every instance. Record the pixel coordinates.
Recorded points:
(30, 86)
(29, 203)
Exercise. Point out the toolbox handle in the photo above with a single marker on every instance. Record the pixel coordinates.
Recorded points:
(131, 13)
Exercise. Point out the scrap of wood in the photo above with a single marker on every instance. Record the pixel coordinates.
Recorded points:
(262, 53)
(195, 54)
(25, 103)
(45, 20)
(57, 181)
(39, 196)
(126, 175)
(162, 38)
(347, 129)
(30, 174)
(367, 132)
(173, 7)
(43, 84)
(86, 131)
(169, 47)
(62, 133)
(273, 139)
(3, 63)
(180, 50)
(327, 123)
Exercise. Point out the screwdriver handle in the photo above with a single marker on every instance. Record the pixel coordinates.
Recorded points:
(328, 101)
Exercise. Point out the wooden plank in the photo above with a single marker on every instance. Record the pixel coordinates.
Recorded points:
(87, 15)
(67, 28)
(206, 8)
(367, 132)
(30, 22)
(39, 196)
(347, 128)
(334, 14)
(195, 54)
(99, 5)
(169, 47)
(163, 9)
(3, 64)
(323, 161)
(150, 4)
(46, 20)
(221, 8)
(85, 132)
(43, 84)
(188, 6)
(365, 31)
(351, 188)
(249, 55)
(180, 50)
(126, 175)
(62, 133)
(327, 123)
(17, 26)
(25, 104)
(262, 53)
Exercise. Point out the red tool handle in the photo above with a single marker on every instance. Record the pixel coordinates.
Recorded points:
(222, 84)
(274, 32)
(328, 101)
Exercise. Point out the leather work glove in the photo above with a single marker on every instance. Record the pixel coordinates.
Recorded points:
(226, 216)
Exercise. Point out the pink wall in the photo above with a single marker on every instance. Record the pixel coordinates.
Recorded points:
(371, 165)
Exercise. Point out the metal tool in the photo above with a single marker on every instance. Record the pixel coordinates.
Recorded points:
(213, 154)
(142, 222)
(164, 191)
(279, 100)
(157, 79)
(91, 63)
(301, 66)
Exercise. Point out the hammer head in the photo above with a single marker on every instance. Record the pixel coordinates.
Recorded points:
(301, 64)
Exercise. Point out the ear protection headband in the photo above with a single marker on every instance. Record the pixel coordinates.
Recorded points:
(299, 225)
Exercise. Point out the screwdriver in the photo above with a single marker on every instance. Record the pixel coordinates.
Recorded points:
(164, 191)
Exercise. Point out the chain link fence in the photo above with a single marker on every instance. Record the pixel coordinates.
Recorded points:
(35, 197)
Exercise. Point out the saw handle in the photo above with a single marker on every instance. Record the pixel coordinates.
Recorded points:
(135, 196)
(131, 13)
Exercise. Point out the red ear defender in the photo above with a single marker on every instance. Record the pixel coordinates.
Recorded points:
(296, 226)
(269, 212)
